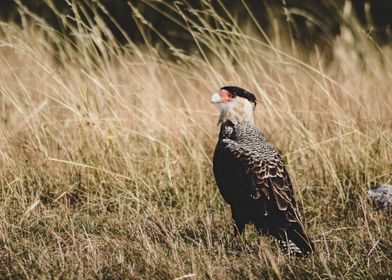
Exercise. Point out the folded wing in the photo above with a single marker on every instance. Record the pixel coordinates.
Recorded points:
(264, 178)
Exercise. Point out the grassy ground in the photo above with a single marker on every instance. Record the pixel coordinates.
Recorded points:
(105, 154)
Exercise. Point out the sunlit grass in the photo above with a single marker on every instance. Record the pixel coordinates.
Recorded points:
(106, 150)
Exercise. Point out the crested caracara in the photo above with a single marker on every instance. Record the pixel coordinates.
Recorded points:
(251, 176)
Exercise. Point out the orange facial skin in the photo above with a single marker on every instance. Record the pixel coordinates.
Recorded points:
(226, 96)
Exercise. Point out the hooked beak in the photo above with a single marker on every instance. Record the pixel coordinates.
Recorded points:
(215, 98)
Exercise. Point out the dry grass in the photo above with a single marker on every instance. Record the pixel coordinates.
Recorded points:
(106, 150)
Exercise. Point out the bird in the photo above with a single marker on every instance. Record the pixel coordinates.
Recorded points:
(251, 175)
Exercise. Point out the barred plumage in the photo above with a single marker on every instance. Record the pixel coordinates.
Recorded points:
(252, 178)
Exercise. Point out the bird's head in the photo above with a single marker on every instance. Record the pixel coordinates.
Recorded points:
(235, 104)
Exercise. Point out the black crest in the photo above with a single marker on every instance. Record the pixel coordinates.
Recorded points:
(241, 93)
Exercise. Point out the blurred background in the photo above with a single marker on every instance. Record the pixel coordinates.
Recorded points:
(309, 22)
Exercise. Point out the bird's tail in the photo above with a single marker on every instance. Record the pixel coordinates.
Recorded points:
(295, 242)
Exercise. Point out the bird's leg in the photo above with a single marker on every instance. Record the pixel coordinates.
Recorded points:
(238, 222)
(238, 227)
(262, 229)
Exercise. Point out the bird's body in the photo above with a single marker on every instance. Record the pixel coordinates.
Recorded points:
(252, 179)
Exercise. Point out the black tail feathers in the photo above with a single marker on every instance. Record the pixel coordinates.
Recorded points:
(295, 242)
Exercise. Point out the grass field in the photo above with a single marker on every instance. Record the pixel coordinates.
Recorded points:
(105, 153)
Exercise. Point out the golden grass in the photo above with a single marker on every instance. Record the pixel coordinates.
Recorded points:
(106, 151)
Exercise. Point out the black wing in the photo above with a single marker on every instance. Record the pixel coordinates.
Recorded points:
(243, 174)
(246, 178)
